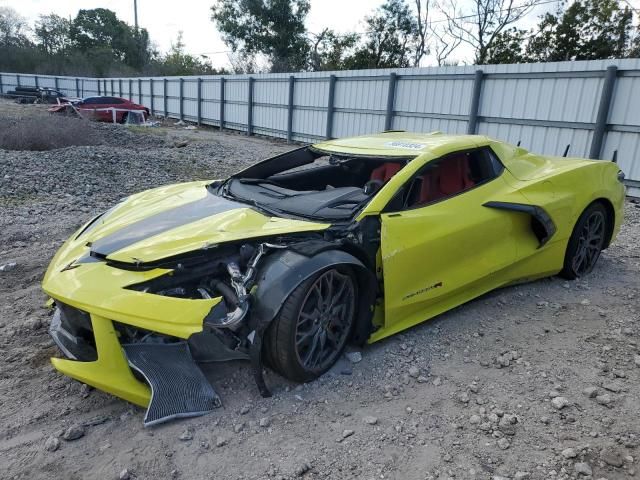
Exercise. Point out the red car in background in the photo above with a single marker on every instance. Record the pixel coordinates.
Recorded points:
(103, 109)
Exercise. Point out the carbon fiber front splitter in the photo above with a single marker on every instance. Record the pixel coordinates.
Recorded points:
(179, 389)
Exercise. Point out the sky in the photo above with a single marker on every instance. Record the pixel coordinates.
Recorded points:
(165, 19)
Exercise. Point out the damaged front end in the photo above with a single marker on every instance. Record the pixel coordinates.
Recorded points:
(210, 306)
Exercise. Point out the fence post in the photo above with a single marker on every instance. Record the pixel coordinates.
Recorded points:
(292, 83)
(603, 111)
(164, 99)
(35, 81)
(98, 82)
(250, 107)
(1, 88)
(222, 82)
(332, 92)
(18, 79)
(151, 102)
(77, 87)
(111, 82)
(140, 91)
(131, 89)
(472, 126)
(120, 87)
(391, 99)
(181, 98)
(55, 83)
(199, 100)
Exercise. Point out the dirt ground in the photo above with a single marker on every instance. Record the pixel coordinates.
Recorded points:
(536, 381)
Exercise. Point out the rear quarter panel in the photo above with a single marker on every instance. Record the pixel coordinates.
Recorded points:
(567, 186)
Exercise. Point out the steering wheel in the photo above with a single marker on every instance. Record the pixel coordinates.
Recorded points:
(372, 186)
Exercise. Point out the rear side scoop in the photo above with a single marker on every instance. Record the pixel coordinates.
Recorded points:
(541, 222)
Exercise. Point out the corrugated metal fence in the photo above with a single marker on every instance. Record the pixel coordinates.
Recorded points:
(593, 106)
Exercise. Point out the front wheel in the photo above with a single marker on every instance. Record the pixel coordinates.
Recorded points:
(586, 242)
(313, 326)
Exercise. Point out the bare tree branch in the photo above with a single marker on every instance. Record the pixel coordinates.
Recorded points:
(488, 19)
(422, 17)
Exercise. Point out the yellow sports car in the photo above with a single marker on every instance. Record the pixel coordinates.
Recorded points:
(286, 262)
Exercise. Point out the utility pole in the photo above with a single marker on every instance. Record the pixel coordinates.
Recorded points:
(135, 14)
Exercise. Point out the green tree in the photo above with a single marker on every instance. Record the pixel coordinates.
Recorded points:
(100, 29)
(179, 63)
(584, 30)
(390, 40)
(330, 50)
(274, 28)
(508, 47)
(541, 46)
(592, 29)
(13, 28)
(53, 33)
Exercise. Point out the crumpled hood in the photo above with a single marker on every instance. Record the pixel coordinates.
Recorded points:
(173, 220)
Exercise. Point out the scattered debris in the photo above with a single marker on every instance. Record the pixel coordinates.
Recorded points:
(7, 267)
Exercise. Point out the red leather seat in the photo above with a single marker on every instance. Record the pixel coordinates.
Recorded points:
(450, 176)
(385, 171)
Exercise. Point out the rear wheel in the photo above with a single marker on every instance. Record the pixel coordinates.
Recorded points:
(313, 326)
(586, 242)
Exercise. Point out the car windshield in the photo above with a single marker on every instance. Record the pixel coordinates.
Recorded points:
(312, 184)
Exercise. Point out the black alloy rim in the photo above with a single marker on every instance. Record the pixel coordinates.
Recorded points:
(324, 320)
(590, 244)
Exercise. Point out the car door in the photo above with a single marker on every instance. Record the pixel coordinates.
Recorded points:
(442, 246)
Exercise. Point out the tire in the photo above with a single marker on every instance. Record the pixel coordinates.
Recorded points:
(586, 242)
(304, 341)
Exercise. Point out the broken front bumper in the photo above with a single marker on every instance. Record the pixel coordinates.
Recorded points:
(174, 385)
(109, 371)
(94, 296)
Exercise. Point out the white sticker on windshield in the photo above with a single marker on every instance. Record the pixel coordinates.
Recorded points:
(407, 145)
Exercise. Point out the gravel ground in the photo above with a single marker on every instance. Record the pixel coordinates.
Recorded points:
(535, 381)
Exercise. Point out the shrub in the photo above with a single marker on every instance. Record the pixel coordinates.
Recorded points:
(45, 133)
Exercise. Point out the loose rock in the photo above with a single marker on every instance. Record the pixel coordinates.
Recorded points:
(582, 468)
(591, 392)
(354, 357)
(302, 469)
(73, 433)
(503, 443)
(52, 444)
(369, 420)
(559, 402)
(612, 456)
(221, 442)
(347, 433)
(7, 267)
(265, 422)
